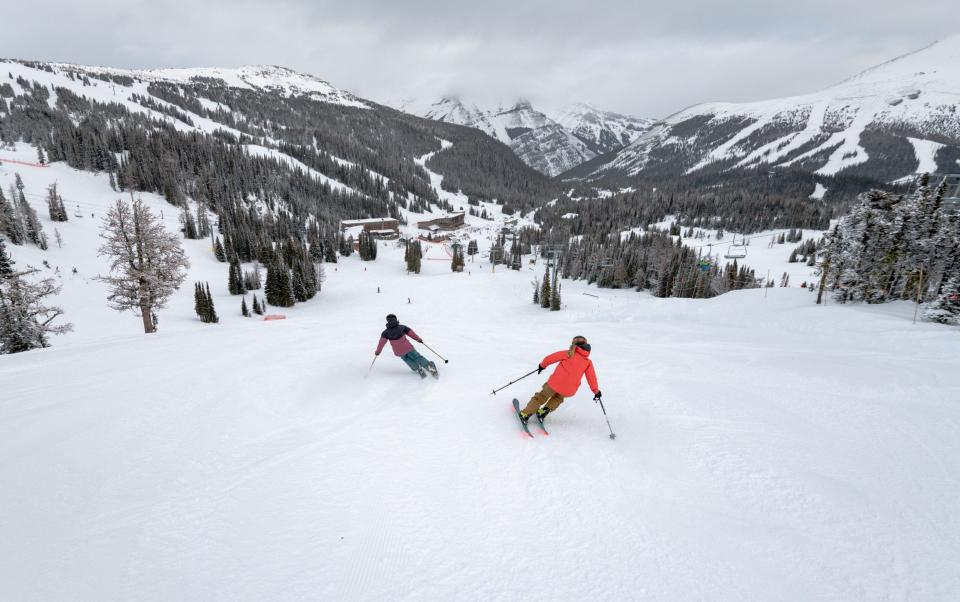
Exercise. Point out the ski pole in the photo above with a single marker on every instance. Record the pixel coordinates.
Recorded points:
(612, 436)
(370, 369)
(445, 360)
(513, 381)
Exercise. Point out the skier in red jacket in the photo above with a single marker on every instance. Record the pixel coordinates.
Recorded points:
(565, 380)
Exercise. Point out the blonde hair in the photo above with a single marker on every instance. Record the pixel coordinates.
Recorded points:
(573, 345)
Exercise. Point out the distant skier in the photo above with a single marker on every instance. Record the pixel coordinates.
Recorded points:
(565, 380)
(397, 334)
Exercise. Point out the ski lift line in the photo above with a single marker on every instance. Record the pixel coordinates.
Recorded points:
(720, 244)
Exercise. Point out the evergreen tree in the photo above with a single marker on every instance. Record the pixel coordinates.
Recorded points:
(58, 213)
(251, 278)
(555, 293)
(278, 290)
(32, 227)
(945, 308)
(235, 283)
(536, 292)
(189, 226)
(413, 256)
(890, 247)
(199, 300)
(203, 222)
(211, 310)
(243, 308)
(218, 250)
(330, 252)
(545, 289)
(6, 263)
(10, 218)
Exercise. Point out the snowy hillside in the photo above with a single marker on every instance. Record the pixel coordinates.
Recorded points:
(551, 145)
(762, 453)
(888, 122)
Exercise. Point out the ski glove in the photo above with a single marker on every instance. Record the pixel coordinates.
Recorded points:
(597, 396)
(540, 368)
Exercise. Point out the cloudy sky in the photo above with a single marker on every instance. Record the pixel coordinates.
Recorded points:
(642, 58)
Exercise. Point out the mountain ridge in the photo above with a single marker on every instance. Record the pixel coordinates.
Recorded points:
(882, 122)
(550, 143)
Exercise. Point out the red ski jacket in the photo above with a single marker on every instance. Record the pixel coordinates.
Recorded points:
(565, 380)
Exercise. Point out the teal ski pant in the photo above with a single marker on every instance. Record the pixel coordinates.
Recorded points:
(415, 360)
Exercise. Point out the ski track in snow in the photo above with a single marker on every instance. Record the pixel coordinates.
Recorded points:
(926, 152)
(767, 449)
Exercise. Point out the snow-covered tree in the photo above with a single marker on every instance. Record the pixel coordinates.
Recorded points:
(6, 264)
(147, 263)
(890, 247)
(25, 318)
(946, 307)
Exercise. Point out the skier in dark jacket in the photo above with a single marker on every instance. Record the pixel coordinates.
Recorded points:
(397, 334)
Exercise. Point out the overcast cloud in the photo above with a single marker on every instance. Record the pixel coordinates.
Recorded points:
(641, 58)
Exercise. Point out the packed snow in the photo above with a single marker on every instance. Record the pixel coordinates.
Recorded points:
(767, 448)
(819, 190)
(926, 151)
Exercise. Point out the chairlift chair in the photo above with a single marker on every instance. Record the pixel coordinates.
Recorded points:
(736, 251)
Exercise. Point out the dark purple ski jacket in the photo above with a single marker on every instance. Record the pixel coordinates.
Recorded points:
(397, 335)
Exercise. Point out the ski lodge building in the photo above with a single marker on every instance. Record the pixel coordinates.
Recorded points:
(383, 228)
(451, 221)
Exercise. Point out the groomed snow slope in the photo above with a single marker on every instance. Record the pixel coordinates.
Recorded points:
(768, 449)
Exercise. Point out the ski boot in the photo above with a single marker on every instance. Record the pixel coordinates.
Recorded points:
(432, 369)
(523, 416)
(541, 414)
(422, 373)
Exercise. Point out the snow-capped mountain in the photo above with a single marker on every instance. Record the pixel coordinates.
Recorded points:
(550, 144)
(266, 78)
(886, 123)
(290, 124)
(602, 131)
